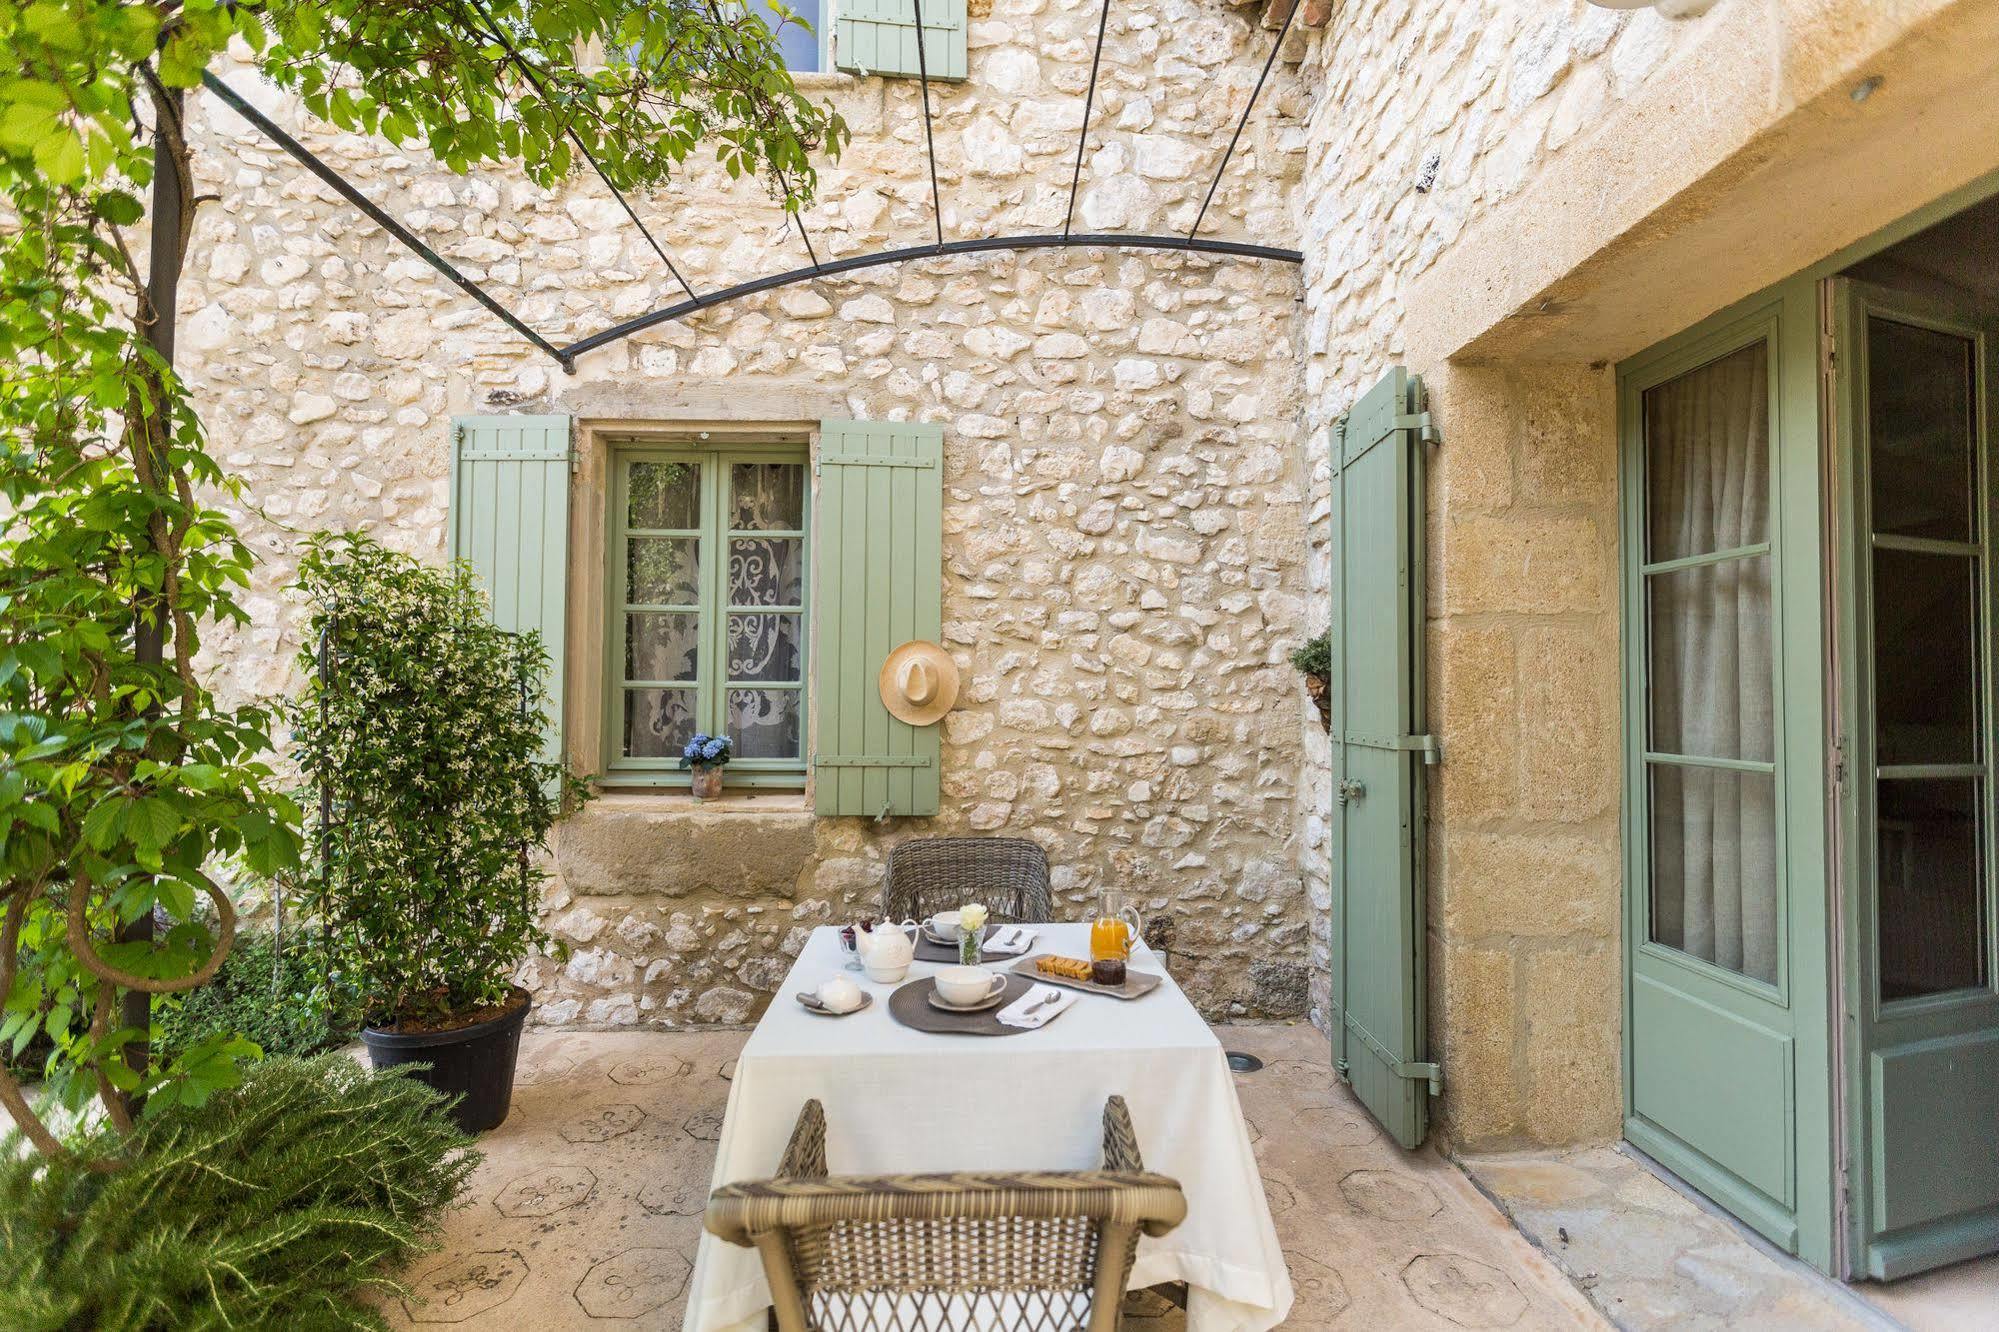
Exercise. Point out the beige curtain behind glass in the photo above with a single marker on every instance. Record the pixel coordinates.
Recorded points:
(1714, 872)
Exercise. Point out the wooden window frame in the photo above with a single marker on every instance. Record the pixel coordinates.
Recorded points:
(711, 689)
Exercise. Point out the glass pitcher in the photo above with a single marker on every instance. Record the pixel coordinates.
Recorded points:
(1116, 926)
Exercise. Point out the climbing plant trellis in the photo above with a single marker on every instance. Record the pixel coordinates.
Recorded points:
(565, 354)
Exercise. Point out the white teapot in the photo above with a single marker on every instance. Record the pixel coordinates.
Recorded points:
(886, 951)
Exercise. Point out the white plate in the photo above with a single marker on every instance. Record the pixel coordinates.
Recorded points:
(810, 1003)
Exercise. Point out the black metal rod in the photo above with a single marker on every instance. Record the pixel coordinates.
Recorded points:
(813, 254)
(528, 72)
(1102, 241)
(1255, 92)
(923, 78)
(1089, 103)
(347, 190)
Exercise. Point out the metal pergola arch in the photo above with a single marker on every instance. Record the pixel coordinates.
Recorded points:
(565, 355)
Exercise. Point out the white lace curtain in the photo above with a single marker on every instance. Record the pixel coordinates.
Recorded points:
(1713, 830)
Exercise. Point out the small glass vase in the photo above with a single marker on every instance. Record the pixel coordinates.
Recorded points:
(968, 946)
(707, 782)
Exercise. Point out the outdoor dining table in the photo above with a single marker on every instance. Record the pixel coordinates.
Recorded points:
(902, 1101)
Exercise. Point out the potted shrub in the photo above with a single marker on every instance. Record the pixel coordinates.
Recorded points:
(707, 755)
(420, 732)
(1314, 660)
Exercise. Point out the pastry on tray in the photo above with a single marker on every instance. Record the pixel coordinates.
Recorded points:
(1074, 968)
(1107, 971)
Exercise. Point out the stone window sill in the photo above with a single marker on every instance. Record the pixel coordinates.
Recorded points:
(831, 80)
(639, 800)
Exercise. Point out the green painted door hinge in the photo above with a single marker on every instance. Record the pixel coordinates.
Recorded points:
(1430, 1073)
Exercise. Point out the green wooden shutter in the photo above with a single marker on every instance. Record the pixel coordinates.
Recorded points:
(1379, 754)
(880, 522)
(510, 522)
(879, 37)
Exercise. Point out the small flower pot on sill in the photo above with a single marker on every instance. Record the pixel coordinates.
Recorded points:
(474, 1062)
(707, 783)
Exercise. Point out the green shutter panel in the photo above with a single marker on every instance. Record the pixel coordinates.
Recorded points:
(510, 522)
(1379, 753)
(879, 37)
(879, 581)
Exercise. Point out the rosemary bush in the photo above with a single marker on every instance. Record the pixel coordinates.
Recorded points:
(425, 729)
(274, 1205)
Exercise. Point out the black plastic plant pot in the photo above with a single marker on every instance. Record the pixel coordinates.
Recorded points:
(474, 1063)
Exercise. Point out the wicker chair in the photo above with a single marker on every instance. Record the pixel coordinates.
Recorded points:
(932, 874)
(1045, 1252)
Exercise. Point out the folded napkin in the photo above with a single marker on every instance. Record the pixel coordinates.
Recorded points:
(1038, 1007)
(1010, 940)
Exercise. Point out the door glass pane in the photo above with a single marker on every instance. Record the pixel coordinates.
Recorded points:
(664, 495)
(1931, 877)
(1707, 458)
(663, 571)
(764, 723)
(766, 571)
(767, 497)
(662, 646)
(1919, 425)
(1708, 638)
(765, 648)
(658, 722)
(1714, 866)
(1925, 662)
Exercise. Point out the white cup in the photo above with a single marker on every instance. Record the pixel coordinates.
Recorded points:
(945, 925)
(881, 975)
(839, 995)
(965, 986)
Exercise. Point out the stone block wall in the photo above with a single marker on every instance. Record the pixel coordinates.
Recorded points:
(1428, 119)
(1124, 502)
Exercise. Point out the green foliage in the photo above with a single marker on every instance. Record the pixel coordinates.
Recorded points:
(427, 732)
(276, 1205)
(269, 992)
(1315, 656)
(122, 779)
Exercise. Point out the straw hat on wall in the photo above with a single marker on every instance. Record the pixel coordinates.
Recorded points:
(919, 683)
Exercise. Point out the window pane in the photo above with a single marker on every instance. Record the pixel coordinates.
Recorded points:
(765, 648)
(1932, 880)
(799, 45)
(662, 646)
(664, 495)
(764, 722)
(1919, 429)
(1714, 866)
(767, 497)
(766, 571)
(1707, 458)
(658, 722)
(663, 571)
(1710, 660)
(1925, 658)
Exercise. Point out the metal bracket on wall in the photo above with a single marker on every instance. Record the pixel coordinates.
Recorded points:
(1430, 1073)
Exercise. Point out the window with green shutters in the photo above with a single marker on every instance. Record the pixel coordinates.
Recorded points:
(707, 575)
(879, 37)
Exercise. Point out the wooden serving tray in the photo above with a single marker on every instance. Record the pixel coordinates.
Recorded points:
(1137, 984)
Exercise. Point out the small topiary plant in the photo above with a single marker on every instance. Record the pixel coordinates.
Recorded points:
(276, 1204)
(1314, 660)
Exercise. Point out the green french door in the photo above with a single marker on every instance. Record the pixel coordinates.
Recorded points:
(1913, 383)
(1726, 1005)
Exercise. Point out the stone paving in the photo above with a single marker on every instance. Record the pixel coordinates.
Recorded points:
(1651, 1256)
(588, 1206)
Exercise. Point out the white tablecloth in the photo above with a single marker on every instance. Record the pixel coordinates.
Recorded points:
(902, 1101)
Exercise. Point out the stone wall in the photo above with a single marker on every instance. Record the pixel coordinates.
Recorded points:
(1124, 509)
(1429, 118)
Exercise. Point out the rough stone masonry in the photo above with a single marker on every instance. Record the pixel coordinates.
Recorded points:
(1125, 493)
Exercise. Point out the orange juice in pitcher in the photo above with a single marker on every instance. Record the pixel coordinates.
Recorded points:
(1115, 927)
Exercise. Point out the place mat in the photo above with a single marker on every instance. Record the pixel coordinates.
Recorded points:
(928, 950)
(910, 1005)
(1136, 983)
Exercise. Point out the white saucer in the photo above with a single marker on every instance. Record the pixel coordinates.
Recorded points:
(810, 1002)
(937, 1002)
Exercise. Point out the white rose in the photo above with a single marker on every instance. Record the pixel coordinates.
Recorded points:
(972, 917)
